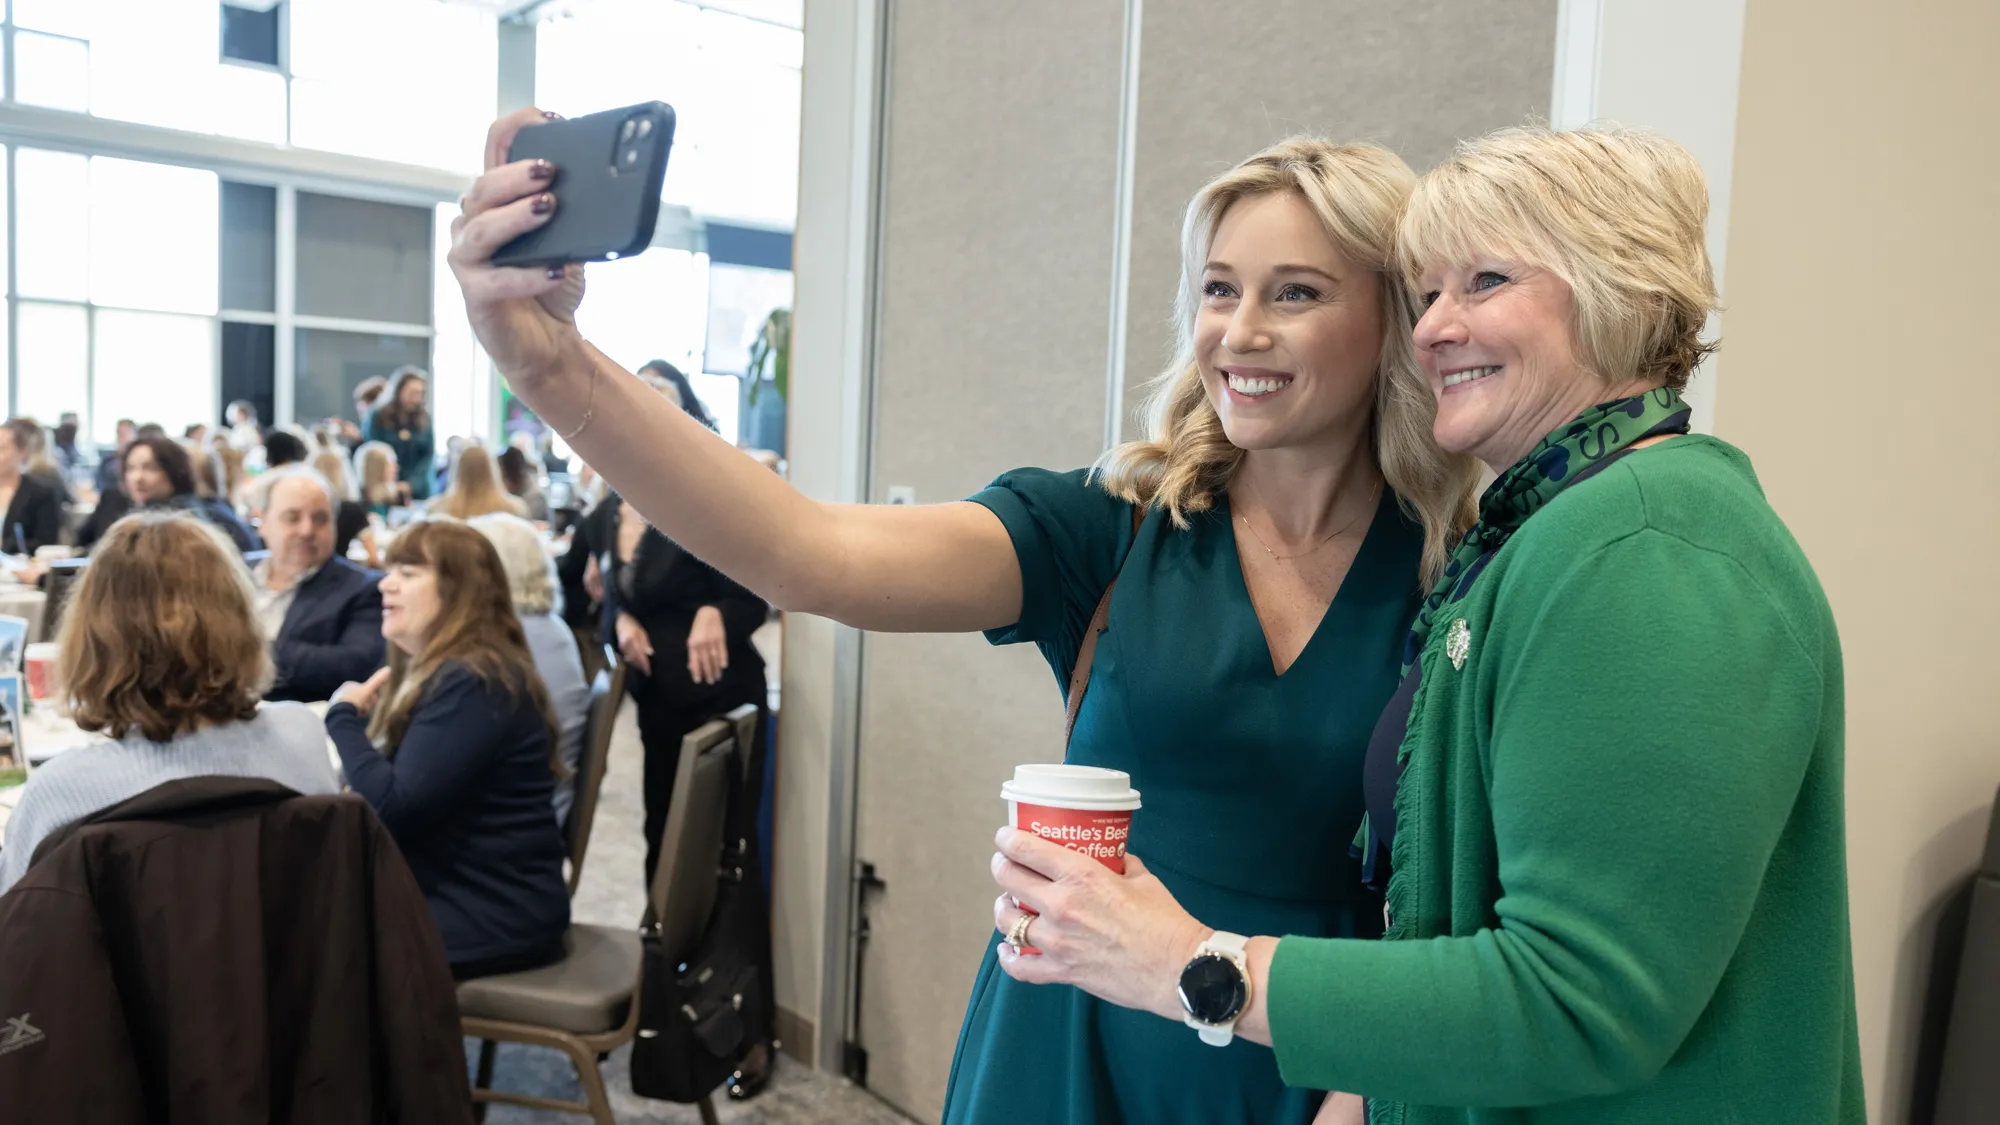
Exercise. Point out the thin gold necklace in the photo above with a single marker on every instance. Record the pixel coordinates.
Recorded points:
(1373, 499)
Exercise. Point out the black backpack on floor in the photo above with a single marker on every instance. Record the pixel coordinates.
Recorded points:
(700, 1017)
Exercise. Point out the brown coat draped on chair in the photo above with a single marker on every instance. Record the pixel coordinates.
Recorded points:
(221, 950)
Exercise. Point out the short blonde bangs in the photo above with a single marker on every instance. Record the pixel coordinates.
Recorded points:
(1618, 214)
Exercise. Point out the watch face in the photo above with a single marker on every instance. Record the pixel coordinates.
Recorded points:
(1212, 989)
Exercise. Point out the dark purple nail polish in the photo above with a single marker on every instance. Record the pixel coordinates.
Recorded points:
(555, 273)
(541, 170)
(552, 115)
(544, 203)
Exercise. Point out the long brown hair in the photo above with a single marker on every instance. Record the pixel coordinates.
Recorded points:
(389, 407)
(475, 627)
(161, 632)
(475, 488)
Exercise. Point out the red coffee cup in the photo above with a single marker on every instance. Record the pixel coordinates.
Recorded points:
(1084, 808)
(40, 659)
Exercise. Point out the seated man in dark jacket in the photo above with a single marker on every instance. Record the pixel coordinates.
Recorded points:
(322, 613)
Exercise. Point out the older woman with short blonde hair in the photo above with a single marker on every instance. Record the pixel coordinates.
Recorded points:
(531, 579)
(1608, 796)
(161, 653)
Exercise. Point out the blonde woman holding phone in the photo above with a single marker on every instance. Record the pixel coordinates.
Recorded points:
(1268, 541)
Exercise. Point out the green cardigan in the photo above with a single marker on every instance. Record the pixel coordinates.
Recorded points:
(1620, 888)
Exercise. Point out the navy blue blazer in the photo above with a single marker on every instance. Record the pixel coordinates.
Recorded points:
(466, 795)
(332, 633)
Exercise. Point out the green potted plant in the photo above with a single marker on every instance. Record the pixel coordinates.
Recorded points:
(771, 355)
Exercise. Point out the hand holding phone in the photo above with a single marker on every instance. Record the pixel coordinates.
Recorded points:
(608, 168)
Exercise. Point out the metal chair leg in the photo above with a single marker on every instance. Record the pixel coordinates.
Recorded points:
(484, 1081)
(592, 1081)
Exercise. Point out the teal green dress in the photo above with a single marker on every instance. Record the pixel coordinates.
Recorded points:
(1251, 783)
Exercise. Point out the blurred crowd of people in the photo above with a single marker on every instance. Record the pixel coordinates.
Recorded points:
(443, 599)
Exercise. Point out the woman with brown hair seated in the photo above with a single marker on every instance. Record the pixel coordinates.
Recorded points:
(161, 652)
(454, 745)
(159, 475)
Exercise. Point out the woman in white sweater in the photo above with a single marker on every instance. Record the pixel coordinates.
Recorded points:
(162, 654)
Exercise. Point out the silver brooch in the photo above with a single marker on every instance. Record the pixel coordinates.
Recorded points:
(1458, 643)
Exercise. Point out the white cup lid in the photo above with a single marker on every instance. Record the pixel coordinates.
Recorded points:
(1071, 787)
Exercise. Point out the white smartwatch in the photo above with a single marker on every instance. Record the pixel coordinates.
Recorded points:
(1215, 987)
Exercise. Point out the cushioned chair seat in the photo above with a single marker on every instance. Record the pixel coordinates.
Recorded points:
(587, 992)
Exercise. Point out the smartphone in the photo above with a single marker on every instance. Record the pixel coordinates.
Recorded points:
(607, 184)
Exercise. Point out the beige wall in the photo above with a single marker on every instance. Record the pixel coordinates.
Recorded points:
(1000, 152)
(1217, 82)
(1862, 258)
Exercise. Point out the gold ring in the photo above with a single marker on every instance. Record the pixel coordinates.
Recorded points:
(1017, 934)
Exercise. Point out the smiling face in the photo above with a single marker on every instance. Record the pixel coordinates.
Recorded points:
(1289, 333)
(409, 605)
(1497, 342)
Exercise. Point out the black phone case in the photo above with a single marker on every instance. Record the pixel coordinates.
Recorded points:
(601, 211)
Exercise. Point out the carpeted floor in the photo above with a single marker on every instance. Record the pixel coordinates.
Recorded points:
(612, 894)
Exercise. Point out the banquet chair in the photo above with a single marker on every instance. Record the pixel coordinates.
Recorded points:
(607, 692)
(586, 1004)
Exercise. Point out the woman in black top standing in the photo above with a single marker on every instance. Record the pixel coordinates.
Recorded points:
(683, 630)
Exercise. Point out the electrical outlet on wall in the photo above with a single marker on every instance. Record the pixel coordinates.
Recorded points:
(902, 494)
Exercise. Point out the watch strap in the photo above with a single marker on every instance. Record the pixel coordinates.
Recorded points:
(1234, 946)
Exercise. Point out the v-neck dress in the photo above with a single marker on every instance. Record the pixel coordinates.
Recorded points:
(1251, 783)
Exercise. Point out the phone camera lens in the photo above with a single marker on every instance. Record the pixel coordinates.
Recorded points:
(645, 126)
(631, 156)
(630, 130)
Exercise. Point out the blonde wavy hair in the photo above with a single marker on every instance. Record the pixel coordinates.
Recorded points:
(1358, 192)
(475, 488)
(1619, 214)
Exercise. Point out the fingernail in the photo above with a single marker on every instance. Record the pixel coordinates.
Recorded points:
(1005, 835)
(552, 115)
(544, 203)
(541, 170)
(555, 273)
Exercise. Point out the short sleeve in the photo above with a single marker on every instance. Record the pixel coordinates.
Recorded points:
(1070, 537)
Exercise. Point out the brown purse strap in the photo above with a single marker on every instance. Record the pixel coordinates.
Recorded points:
(1079, 676)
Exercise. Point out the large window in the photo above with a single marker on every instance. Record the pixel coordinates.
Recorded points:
(407, 80)
(150, 291)
(144, 288)
(404, 80)
(114, 310)
(733, 82)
